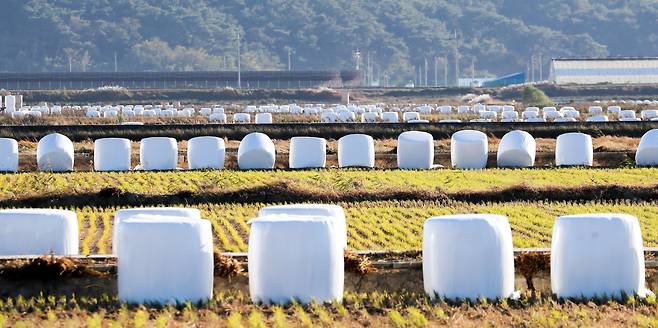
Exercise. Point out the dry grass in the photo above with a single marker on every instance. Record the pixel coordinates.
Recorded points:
(46, 268)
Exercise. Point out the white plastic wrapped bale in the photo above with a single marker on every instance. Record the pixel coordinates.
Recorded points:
(418, 121)
(571, 113)
(626, 114)
(149, 113)
(445, 109)
(410, 116)
(468, 256)
(530, 114)
(463, 109)
(55, 153)
(241, 118)
(536, 120)
(205, 152)
(648, 114)
(166, 260)
(369, 117)
(597, 255)
(307, 152)
(263, 118)
(313, 210)
(158, 153)
(415, 150)
(293, 257)
(346, 117)
(647, 151)
(517, 149)
(469, 149)
(8, 155)
(10, 104)
(219, 118)
(256, 151)
(110, 113)
(510, 115)
(487, 114)
(356, 150)
(390, 117)
(166, 212)
(509, 108)
(38, 232)
(630, 119)
(598, 118)
(328, 117)
(552, 114)
(614, 109)
(112, 154)
(574, 149)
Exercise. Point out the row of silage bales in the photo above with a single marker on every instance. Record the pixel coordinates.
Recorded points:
(296, 253)
(469, 150)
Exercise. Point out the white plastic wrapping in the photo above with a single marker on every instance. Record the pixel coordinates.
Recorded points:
(469, 149)
(38, 232)
(55, 153)
(256, 151)
(264, 118)
(158, 153)
(647, 151)
(10, 104)
(356, 150)
(112, 154)
(166, 212)
(468, 256)
(205, 152)
(295, 258)
(415, 150)
(164, 260)
(597, 255)
(8, 155)
(370, 117)
(328, 117)
(313, 210)
(517, 149)
(390, 117)
(307, 152)
(598, 118)
(574, 149)
(217, 117)
(410, 116)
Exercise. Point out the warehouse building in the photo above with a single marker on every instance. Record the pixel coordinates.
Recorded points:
(636, 70)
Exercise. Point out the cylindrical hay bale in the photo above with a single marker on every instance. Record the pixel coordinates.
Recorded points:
(241, 118)
(410, 116)
(307, 152)
(219, 118)
(648, 114)
(256, 151)
(468, 256)
(93, 113)
(165, 212)
(295, 258)
(205, 111)
(598, 118)
(356, 150)
(55, 153)
(370, 117)
(415, 150)
(597, 255)
(574, 149)
(346, 117)
(158, 153)
(205, 153)
(38, 232)
(264, 118)
(112, 154)
(312, 210)
(168, 260)
(517, 149)
(647, 151)
(390, 117)
(328, 117)
(10, 104)
(469, 149)
(8, 155)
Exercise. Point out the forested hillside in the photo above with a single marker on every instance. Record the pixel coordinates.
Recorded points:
(498, 36)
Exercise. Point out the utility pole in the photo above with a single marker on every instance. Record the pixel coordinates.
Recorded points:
(116, 67)
(541, 69)
(473, 69)
(532, 67)
(436, 71)
(70, 64)
(289, 61)
(445, 71)
(239, 68)
(456, 59)
(368, 72)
